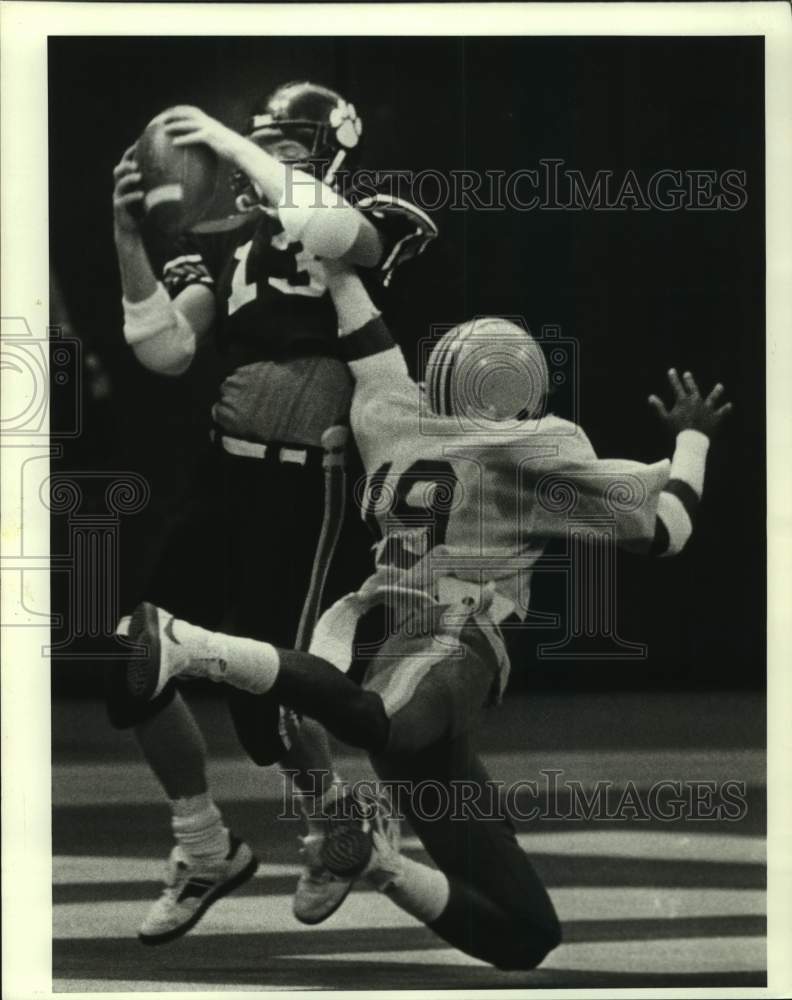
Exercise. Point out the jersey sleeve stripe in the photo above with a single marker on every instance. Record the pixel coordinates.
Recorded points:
(188, 258)
(685, 493)
(437, 393)
(661, 539)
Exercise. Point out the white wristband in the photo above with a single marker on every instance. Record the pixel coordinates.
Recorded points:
(690, 458)
(143, 320)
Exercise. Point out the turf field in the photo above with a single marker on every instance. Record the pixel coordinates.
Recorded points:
(644, 901)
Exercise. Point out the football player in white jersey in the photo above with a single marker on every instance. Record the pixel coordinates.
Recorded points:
(463, 482)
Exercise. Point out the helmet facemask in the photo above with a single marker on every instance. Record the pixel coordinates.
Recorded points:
(318, 118)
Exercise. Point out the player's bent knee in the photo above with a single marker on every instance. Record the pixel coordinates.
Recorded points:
(365, 724)
(527, 945)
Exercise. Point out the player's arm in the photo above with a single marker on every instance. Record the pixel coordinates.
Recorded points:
(162, 333)
(693, 419)
(310, 211)
(374, 358)
(406, 231)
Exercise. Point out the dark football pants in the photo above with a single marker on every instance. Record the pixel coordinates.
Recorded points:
(499, 911)
(238, 560)
(416, 715)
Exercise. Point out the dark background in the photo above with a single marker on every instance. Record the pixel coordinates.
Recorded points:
(639, 290)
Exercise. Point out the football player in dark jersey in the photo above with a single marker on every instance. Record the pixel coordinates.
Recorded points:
(244, 555)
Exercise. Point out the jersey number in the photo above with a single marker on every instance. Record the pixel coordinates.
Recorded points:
(302, 274)
(420, 505)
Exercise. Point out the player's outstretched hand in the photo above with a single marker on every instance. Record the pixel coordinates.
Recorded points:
(187, 126)
(127, 192)
(689, 411)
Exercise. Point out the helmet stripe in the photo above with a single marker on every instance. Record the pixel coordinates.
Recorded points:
(436, 393)
(453, 354)
(456, 339)
(444, 358)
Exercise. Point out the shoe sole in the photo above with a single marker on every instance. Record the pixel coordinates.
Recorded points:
(143, 672)
(347, 853)
(211, 897)
(325, 916)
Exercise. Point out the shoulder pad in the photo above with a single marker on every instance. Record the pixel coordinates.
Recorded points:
(406, 230)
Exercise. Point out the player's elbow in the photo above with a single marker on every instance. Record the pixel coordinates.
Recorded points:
(367, 249)
(171, 350)
(673, 527)
(324, 222)
(160, 335)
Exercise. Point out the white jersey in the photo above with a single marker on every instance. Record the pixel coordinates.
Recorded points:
(462, 509)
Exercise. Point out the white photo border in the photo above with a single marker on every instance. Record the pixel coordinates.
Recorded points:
(26, 800)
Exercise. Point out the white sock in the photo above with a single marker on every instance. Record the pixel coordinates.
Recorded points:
(198, 828)
(243, 663)
(419, 890)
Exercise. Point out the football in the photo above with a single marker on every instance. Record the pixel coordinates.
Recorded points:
(179, 181)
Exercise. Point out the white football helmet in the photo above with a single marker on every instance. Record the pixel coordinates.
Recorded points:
(487, 369)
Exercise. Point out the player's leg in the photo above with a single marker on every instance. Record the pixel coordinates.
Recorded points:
(207, 859)
(370, 719)
(484, 897)
(288, 516)
(316, 688)
(276, 511)
(174, 749)
(307, 753)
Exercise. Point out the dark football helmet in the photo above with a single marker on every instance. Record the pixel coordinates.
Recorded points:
(320, 119)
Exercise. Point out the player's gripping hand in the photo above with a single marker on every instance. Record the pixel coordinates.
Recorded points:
(689, 411)
(127, 194)
(187, 126)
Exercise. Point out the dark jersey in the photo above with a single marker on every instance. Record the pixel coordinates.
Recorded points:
(271, 294)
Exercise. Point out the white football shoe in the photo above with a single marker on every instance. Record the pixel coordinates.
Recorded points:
(347, 848)
(319, 892)
(191, 888)
(165, 656)
(335, 858)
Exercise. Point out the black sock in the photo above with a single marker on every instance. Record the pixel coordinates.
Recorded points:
(316, 688)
